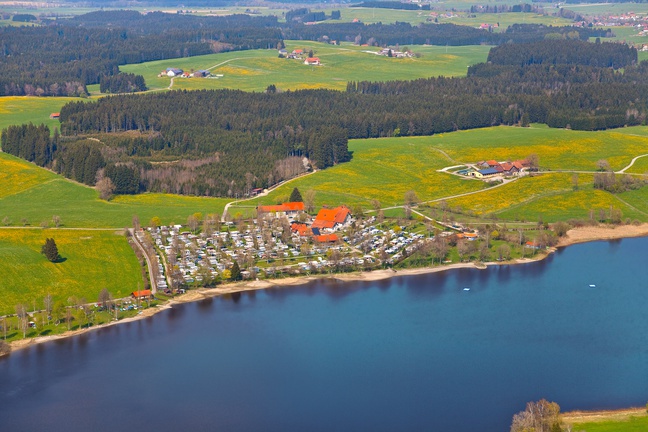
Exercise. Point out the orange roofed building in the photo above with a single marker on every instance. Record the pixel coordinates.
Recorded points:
(285, 209)
(141, 294)
(332, 219)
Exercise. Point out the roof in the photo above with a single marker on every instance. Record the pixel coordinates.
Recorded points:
(518, 164)
(492, 162)
(285, 207)
(328, 218)
(312, 59)
(301, 229)
(506, 166)
(298, 51)
(55, 115)
(141, 293)
(488, 171)
(326, 238)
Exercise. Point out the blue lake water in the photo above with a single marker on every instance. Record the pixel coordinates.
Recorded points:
(414, 353)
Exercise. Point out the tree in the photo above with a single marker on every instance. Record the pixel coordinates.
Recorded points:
(575, 181)
(235, 272)
(21, 313)
(309, 201)
(106, 188)
(5, 348)
(602, 165)
(192, 222)
(534, 162)
(104, 297)
(541, 416)
(56, 220)
(411, 198)
(155, 222)
(50, 250)
(48, 303)
(560, 228)
(295, 196)
(136, 222)
(504, 252)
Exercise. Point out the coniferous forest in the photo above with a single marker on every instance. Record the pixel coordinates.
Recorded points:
(226, 142)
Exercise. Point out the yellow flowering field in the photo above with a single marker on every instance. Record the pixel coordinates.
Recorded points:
(92, 260)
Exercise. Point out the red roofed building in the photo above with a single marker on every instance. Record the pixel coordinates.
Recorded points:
(312, 61)
(141, 294)
(285, 209)
(302, 229)
(326, 238)
(331, 219)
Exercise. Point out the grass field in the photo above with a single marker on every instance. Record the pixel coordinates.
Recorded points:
(25, 109)
(47, 194)
(385, 169)
(382, 169)
(93, 260)
(634, 424)
(255, 70)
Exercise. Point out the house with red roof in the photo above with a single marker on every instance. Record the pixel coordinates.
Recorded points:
(142, 294)
(302, 229)
(312, 61)
(332, 219)
(289, 209)
(326, 238)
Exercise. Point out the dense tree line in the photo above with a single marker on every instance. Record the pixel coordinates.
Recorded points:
(392, 5)
(62, 58)
(433, 34)
(554, 52)
(122, 83)
(504, 8)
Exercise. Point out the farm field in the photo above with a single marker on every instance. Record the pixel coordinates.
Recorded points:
(386, 168)
(25, 109)
(255, 70)
(48, 194)
(382, 169)
(92, 260)
(557, 148)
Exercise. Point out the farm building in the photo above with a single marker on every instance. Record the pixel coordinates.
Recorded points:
(485, 172)
(285, 209)
(313, 61)
(326, 238)
(55, 115)
(142, 294)
(332, 219)
(173, 72)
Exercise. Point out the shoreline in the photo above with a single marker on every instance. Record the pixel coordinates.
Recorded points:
(574, 236)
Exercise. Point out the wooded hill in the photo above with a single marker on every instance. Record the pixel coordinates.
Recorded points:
(63, 57)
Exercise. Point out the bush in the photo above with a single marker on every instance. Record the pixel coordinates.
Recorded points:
(5, 348)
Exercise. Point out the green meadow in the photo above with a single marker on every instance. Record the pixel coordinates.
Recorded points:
(44, 194)
(384, 169)
(92, 260)
(25, 109)
(255, 70)
(634, 424)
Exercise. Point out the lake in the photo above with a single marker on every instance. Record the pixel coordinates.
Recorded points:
(412, 353)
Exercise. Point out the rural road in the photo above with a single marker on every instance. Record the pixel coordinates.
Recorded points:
(262, 194)
(148, 261)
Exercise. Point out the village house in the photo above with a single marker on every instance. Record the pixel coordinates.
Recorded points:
(289, 209)
(173, 72)
(142, 294)
(312, 61)
(332, 219)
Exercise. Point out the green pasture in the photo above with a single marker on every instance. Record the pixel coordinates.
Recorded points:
(634, 424)
(92, 260)
(25, 109)
(46, 194)
(384, 169)
(255, 70)
(558, 149)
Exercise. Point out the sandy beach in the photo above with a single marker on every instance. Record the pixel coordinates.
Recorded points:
(574, 236)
